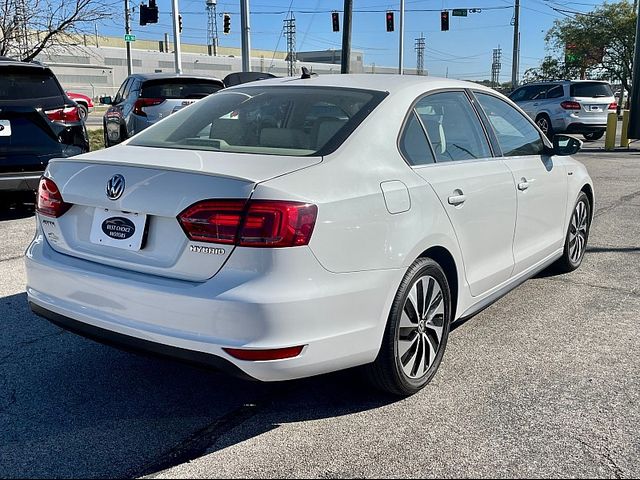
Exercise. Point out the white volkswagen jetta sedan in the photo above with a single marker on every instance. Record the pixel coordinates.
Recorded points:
(293, 227)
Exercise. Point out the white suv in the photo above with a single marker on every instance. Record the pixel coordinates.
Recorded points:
(568, 106)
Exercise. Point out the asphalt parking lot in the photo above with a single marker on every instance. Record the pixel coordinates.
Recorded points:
(544, 383)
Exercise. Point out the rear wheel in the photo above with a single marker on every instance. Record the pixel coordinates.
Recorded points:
(544, 122)
(591, 136)
(575, 243)
(416, 333)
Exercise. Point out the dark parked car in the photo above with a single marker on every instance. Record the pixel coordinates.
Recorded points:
(38, 122)
(144, 99)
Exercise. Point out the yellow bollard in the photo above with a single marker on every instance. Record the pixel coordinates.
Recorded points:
(624, 135)
(610, 137)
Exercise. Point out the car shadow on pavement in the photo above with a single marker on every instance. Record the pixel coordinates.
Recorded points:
(73, 408)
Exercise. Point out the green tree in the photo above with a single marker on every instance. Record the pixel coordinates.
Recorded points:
(597, 44)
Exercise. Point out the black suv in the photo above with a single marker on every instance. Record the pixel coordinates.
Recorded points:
(38, 122)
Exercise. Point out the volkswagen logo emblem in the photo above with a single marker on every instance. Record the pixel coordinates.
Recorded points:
(115, 187)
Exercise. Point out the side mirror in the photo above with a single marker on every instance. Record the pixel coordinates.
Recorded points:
(564, 145)
(105, 100)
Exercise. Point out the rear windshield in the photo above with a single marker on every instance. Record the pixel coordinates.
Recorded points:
(18, 83)
(590, 89)
(277, 120)
(179, 88)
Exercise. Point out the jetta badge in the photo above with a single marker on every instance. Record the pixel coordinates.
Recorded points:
(115, 187)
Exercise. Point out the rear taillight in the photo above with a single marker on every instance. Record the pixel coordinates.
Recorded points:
(141, 103)
(258, 223)
(613, 106)
(50, 202)
(569, 105)
(64, 115)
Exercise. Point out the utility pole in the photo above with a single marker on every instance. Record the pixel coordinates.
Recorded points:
(290, 34)
(176, 36)
(634, 106)
(127, 30)
(495, 67)
(345, 57)
(246, 45)
(420, 43)
(515, 65)
(166, 42)
(401, 42)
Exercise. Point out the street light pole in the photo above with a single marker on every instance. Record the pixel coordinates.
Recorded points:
(246, 42)
(634, 105)
(401, 43)
(176, 35)
(345, 61)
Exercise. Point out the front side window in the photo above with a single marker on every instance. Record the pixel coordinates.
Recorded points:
(120, 95)
(514, 131)
(277, 120)
(453, 127)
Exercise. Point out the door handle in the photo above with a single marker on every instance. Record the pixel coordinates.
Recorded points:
(456, 200)
(523, 185)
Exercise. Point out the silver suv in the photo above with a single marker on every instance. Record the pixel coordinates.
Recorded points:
(568, 106)
(144, 99)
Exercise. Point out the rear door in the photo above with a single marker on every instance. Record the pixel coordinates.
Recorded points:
(541, 184)
(475, 189)
(28, 139)
(594, 99)
(159, 98)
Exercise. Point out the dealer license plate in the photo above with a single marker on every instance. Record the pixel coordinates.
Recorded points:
(118, 229)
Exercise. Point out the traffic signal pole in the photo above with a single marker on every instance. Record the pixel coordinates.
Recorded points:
(246, 42)
(401, 42)
(176, 35)
(634, 105)
(345, 54)
(127, 30)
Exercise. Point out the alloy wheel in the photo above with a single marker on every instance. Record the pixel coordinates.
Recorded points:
(421, 327)
(578, 232)
(543, 124)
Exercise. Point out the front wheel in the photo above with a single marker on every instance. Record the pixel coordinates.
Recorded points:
(416, 333)
(591, 136)
(575, 243)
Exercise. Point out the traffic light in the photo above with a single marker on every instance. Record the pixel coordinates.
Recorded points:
(389, 21)
(148, 14)
(335, 21)
(444, 20)
(226, 23)
(180, 23)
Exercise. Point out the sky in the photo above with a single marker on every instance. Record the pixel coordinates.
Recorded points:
(465, 51)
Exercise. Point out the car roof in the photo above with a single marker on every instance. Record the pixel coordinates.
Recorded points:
(8, 61)
(162, 76)
(381, 82)
(560, 82)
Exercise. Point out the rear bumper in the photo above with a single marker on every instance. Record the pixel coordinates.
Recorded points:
(262, 299)
(137, 345)
(585, 127)
(19, 182)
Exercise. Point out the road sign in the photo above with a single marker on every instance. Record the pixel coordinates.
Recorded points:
(459, 12)
(129, 38)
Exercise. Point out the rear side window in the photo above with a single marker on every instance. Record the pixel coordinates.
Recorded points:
(515, 133)
(277, 120)
(453, 127)
(414, 144)
(590, 89)
(27, 83)
(555, 92)
(178, 88)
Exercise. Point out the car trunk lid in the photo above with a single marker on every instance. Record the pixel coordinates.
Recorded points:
(154, 195)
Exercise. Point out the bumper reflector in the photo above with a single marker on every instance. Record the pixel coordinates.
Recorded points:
(262, 355)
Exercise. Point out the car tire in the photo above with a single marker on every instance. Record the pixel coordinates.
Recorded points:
(83, 111)
(415, 338)
(544, 122)
(575, 243)
(107, 144)
(591, 136)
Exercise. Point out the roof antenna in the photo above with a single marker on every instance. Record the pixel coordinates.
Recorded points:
(307, 74)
